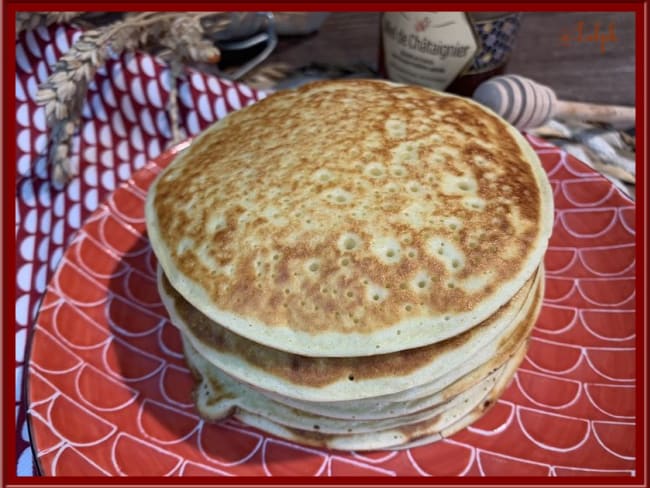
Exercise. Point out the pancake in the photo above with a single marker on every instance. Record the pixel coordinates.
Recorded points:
(219, 393)
(352, 218)
(219, 396)
(442, 424)
(418, 372)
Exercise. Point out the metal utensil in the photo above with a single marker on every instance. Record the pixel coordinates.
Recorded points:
(269, 36)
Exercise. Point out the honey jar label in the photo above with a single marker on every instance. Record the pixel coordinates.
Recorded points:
(427, 48)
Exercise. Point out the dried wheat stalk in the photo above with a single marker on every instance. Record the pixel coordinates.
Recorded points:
(178, 38)
(32, 20)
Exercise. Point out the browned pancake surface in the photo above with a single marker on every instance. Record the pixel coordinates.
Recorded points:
(351, 207)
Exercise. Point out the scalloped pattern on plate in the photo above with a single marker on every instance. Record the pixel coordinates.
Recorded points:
(114, 397)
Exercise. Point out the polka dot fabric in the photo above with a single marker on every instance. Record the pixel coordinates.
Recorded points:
(109, 392)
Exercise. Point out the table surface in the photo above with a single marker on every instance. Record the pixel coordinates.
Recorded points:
(578, 71)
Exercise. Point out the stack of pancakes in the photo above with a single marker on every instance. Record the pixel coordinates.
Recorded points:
(353, 264)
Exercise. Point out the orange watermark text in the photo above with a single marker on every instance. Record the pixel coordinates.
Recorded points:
(582, 33)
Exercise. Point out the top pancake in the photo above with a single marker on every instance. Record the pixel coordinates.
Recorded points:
(350, 218)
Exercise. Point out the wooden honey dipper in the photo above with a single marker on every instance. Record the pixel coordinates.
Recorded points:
(527, 104)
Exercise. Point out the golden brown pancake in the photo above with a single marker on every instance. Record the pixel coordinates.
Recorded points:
(352, 218)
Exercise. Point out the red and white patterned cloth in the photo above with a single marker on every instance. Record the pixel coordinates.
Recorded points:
(569, 411)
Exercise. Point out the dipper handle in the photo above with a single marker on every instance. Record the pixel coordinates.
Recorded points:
(613, 114)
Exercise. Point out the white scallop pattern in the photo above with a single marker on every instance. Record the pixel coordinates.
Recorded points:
(570, 408)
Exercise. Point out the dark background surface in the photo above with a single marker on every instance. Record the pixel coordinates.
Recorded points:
(577, 71)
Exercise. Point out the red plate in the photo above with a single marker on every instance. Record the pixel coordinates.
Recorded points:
(109, 393)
